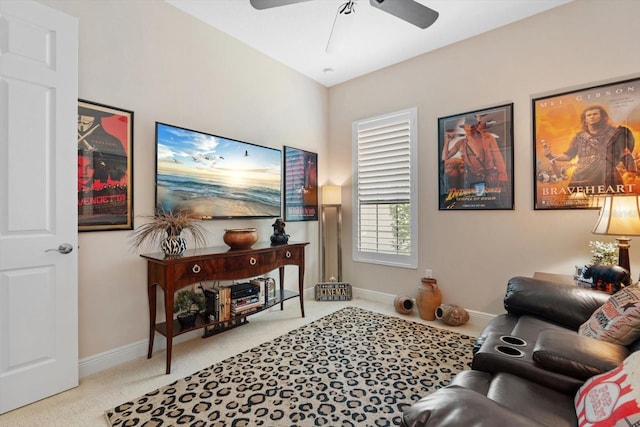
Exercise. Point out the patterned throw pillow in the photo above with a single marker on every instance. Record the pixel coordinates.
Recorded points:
(613, 398)
(618, 320)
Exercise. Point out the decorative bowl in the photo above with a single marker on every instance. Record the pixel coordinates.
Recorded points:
(240, 238)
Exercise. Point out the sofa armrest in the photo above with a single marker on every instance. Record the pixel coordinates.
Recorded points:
(501, 324)
(561, 303)
(575, 355)
(455, 406)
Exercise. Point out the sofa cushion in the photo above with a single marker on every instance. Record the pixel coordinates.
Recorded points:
(534, 401)
(575, 355)
(454, 406)
(563, 304)
(618, 320)
(612, 398)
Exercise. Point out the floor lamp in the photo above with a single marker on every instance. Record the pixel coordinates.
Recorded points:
(332, 198)
(620, 216)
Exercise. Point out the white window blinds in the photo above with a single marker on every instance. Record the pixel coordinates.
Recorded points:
(384, 163)
(384, 171)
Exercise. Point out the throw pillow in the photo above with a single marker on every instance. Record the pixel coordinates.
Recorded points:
(618, 320)
(613, 398)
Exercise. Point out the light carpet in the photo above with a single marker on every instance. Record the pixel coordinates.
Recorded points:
(353, 367)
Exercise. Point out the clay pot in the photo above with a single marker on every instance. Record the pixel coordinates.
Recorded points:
(429, 297)
(452, 315)
(403, 304)
(240, 238)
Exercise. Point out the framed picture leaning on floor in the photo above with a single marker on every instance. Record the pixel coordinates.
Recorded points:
(475, 159)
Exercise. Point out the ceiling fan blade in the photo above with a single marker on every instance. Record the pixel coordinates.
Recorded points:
(408, 10)
(268, 4)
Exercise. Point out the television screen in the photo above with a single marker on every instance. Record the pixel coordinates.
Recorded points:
(213, 177)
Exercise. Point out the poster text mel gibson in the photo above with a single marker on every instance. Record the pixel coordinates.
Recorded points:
(585, 145)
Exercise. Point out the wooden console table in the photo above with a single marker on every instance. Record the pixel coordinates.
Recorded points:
(215, 263)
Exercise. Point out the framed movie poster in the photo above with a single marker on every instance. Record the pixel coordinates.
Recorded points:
(300, 185)
(475, 159)
(584, 145)
(105, 162)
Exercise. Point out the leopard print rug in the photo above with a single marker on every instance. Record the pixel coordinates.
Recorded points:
(350, 368)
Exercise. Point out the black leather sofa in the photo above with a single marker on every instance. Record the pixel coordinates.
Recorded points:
(528, 363)
(481, 399)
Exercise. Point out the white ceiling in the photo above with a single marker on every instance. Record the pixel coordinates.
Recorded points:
(296, 35)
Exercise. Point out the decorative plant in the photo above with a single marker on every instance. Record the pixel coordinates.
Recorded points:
(188, 301)
(604, 253)
(168, 223)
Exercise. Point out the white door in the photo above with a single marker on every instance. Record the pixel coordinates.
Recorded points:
(38, 203)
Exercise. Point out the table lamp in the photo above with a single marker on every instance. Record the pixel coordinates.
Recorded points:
(332, 197)
(620, 216)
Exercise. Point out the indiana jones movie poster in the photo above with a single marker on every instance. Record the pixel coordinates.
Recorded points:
(585, 145)
(475, 153)
(104, 167)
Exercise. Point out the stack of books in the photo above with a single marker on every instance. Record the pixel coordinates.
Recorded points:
(224, 302)
(245, 305)
(245, 297)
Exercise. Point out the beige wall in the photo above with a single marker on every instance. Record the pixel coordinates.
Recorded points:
(474, 253)
(151, 58)
(148, 57)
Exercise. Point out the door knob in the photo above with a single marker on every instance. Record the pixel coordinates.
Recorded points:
(64, 248)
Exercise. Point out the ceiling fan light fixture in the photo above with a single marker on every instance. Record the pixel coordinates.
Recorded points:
(347, 8)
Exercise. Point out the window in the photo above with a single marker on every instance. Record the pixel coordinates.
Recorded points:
(385, 188)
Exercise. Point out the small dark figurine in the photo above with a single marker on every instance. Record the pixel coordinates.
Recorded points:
(604, 275)
(279, 237)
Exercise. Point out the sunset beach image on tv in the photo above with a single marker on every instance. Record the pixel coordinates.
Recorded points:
(214, 177)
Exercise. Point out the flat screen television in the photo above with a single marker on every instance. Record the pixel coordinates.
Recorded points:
(213, 177)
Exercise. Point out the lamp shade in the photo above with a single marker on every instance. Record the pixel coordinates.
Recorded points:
(331, 195)
(619, 216)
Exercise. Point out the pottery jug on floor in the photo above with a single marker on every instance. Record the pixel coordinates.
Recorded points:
(452, 315)
(429, 298)
(403, 304)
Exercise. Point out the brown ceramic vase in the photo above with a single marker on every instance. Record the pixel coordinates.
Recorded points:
(429, 297)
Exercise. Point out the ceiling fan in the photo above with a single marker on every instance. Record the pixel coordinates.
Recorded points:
(408, 10)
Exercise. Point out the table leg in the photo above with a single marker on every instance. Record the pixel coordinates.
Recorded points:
(168, 309)
(151, 294)
(281, 270)
(301, 285)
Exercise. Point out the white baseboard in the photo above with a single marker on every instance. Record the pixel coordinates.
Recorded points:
(481, 315)
(108, 359)
(388, 299)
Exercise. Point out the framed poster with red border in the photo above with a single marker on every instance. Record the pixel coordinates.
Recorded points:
(300, 185)
(584, 145)
(105, 167)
